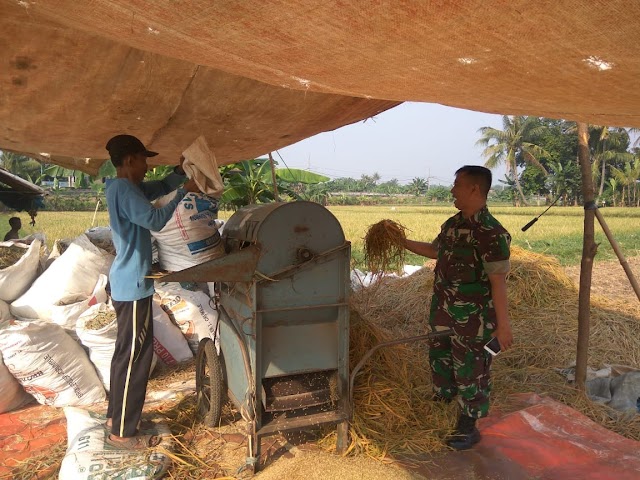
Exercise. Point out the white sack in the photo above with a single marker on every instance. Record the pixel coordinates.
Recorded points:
(169, 344)
(72, 276)
(88, 456)
(191, 236)
(101, 237)
(5, 313)
(100, 342)
(49, 364)
(12, 395)
(193, 312)
(68, 311)
(17, 278)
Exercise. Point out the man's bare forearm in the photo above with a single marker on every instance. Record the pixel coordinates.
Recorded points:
(421, 248)
(501, 306)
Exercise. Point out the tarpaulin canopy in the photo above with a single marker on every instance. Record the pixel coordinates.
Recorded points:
(256, 76)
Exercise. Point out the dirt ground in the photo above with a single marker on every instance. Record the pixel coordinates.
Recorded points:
(609, 278)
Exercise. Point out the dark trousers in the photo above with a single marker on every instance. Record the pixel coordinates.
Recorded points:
(130, 365)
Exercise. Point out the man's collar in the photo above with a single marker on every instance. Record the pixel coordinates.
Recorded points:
(475, 218)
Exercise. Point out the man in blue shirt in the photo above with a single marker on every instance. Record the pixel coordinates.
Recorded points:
(131, 216)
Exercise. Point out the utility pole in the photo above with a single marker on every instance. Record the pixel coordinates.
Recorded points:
(428, 178)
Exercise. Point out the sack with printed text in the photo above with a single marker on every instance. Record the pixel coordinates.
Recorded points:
(49, 364)
(192, 311)
(13, 396)
(191, 236)
(168, 342)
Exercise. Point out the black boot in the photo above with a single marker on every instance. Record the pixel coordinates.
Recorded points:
(466, 434)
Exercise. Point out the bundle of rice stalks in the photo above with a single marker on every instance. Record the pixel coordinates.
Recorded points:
(393, 413)
(384, 247)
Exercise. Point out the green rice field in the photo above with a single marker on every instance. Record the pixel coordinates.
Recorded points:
(558, 232)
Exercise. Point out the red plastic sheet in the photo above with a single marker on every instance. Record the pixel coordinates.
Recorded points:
(29, 432)
(550, 440)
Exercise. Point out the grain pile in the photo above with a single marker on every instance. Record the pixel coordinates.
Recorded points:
(384, 247)
(10, 255)
(393, 413)
(100, 320)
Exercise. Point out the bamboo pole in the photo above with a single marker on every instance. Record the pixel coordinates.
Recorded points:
(273, 178)
(589, 249)
(618, 251)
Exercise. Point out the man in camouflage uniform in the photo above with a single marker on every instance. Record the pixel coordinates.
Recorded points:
(470, 298)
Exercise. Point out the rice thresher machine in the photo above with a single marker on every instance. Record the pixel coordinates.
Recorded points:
(282, 294)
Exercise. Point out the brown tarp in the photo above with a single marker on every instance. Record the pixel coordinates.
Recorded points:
(254, 76)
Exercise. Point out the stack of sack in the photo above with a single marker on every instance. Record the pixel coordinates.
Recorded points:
(58, 327)
(42, 297)
(57, 324)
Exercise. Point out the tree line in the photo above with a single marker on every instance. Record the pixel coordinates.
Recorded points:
(540, 156)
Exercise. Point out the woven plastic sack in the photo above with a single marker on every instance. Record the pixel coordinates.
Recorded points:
(49, 364)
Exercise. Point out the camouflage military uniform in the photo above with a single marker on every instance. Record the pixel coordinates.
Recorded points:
(468, 250)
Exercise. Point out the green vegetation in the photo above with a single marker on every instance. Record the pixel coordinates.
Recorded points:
(558, 232)
(539, 153)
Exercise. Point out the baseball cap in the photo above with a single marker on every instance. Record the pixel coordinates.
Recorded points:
(122, 145)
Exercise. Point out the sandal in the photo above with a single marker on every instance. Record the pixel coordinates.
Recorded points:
(142, 424)
(140, 442)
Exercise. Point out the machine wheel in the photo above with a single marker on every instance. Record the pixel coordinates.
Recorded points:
(209, 382)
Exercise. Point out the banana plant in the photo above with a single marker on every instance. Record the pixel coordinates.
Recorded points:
(76, 178)
(251, 182)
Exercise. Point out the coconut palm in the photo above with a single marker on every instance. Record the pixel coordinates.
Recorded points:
(417, 187)
(608, 145)
(613, 185)
(516, 141)
(628, 177)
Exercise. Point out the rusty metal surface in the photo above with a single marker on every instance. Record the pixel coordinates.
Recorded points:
(238, 266)
(299, 391)
(315, 419)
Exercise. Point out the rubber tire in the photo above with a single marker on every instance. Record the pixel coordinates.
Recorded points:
(209, 383)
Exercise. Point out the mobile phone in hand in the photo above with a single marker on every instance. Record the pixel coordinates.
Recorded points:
(493, 346)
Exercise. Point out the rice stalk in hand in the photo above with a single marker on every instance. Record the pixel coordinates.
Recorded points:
(384, 247)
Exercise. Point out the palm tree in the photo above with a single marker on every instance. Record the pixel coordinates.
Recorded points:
(609, 145)
(417, 186)
(628, 177)
(514, 142)
(613, 184)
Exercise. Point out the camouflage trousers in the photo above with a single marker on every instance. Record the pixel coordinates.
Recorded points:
(461, 366)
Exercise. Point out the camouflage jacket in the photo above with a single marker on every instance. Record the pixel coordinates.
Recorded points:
(468, 250)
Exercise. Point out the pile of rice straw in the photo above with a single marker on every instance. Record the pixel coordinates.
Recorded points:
(393, 411)
(384, 248)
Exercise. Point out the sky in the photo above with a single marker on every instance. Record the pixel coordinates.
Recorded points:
(411, 140)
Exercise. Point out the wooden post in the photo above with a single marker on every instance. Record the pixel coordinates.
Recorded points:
(618, 251)
(589, 249)
(273, 178)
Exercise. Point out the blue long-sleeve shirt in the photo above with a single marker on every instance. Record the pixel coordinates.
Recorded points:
(131, 216)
